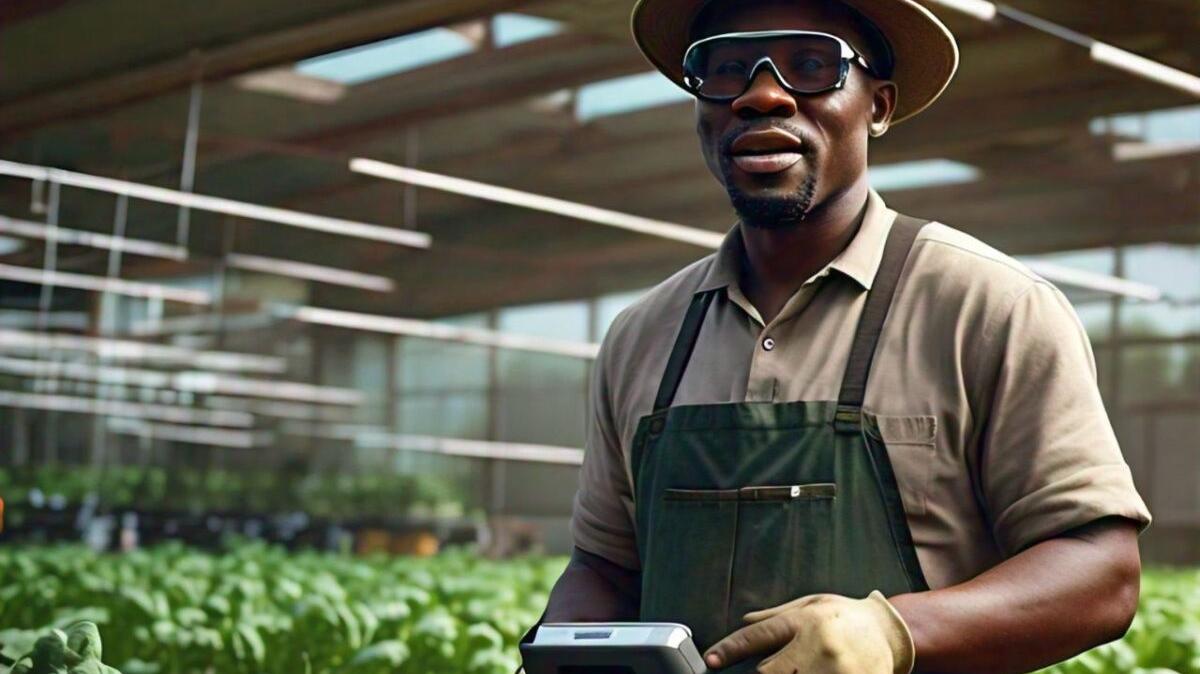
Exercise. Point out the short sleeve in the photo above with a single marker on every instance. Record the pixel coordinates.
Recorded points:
(1050, 460)
(601, 520)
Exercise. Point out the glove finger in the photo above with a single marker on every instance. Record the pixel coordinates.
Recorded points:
(763, 614)
(783, 661)
(754, 639)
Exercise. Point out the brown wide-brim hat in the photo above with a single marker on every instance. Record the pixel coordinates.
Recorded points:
(924, 49)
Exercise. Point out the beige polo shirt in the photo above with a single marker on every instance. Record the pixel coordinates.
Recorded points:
(983, 386)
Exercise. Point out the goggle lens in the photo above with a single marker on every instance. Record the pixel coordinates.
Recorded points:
(722, 67)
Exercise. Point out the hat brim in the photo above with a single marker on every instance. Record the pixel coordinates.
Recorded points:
(925, 52)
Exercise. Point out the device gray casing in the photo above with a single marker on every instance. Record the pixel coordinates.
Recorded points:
(612, 648)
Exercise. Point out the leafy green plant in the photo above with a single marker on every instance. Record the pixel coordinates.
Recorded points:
(256, 609)
(319, 494)
(75, 649)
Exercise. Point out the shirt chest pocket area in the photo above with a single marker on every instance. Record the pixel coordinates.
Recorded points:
(910, 444)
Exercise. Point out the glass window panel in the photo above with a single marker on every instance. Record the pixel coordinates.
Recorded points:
(541, 398)
(1131, 432)
(427, 365)
(535, 371)
(541, 416)
(555, 320)
(510, 29)
(1096, 318)
(626, 93)
(1161, 319)
(451, 415)
(387, 57)
(1158, 373)
(1097, 260)
(1104, 372)
(1176, 466)
(921, 173)
(369, 375)
(1173, 268)
(608, 306)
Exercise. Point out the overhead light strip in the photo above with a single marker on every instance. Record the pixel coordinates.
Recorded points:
(282, 410)
(321, 223)
(1086, 280)
(121, 408)
(1146, 68)
(371, 437)
(64, 279)
(118, 349)
(537, 202)
(79, 237)
(476, 449)
(218, 437)
(450, 333)
(1100, 52)
(198, 323)
(1142, 150)
(189, 381)
(505, 195)
(63, 320)
(310, 272)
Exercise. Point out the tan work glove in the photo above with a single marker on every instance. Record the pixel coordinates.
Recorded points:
(822, 634)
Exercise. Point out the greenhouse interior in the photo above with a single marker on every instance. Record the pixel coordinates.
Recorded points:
(299, 303)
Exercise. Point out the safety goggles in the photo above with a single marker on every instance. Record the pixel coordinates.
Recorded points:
(721, 67)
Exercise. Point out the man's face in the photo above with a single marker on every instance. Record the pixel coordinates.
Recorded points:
(832, 127)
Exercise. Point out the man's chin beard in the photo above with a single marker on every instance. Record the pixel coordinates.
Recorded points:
(774, 212)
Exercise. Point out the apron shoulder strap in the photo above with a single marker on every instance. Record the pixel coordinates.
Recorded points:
(870, 324)
(681, 353)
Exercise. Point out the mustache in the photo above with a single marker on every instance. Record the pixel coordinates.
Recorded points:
(726, 141)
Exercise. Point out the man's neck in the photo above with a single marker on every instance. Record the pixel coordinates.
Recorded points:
(778, 261)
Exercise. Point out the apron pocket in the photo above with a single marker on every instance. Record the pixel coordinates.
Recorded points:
(690, 549)
(784, 545)
(910, 444)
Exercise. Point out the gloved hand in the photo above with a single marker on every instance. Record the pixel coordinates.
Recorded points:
(822, 634)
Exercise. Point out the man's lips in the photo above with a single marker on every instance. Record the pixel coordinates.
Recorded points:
(767, 151)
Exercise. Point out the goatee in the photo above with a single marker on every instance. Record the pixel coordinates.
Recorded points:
(774, 212)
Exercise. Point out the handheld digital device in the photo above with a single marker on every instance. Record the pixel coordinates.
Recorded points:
(612, 648)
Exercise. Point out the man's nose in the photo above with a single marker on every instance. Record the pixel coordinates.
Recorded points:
(765, 96)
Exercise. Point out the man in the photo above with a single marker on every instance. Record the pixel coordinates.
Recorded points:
(849, 441)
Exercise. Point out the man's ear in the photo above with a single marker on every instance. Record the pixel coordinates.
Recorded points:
(883, 106)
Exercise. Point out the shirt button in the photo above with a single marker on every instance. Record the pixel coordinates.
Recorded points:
(768, 344)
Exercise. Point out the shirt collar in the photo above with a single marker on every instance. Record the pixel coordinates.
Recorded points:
(858, 261)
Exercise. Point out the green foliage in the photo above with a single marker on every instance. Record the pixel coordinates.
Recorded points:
(257, 609)
(157, 489)
(1163, 639)
(75, 649)
(261, 610)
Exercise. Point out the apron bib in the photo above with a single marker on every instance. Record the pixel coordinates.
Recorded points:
(744, 506)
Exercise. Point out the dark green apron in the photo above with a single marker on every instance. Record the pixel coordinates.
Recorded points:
(744, 506)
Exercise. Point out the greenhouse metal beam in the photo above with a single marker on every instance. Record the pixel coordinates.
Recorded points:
(191, 381)
(270, 44)
(1070, 277)
(372, 437)
(411, 327)
(120, 408)
(79, 237)
(504, 195)
(201, 202)
(104, 284)
(119, 349)
(198, 435)
(1103, 283)
(310, 272)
